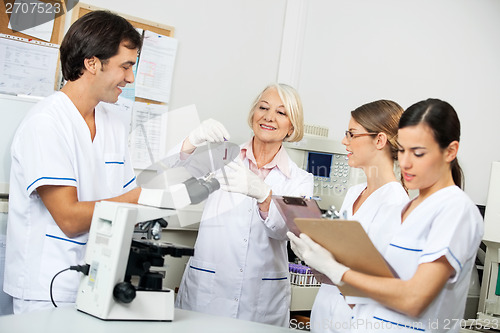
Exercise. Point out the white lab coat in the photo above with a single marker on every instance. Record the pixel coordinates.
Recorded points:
(52, 146)
(331, 312)
(240, 265)
(446, 224)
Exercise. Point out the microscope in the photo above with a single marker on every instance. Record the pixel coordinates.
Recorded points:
(120, 284)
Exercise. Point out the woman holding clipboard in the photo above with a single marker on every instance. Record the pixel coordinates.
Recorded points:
(371, 144)
(432, 240)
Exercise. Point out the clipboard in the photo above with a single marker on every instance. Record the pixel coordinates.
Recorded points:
(293, 207)
(349, 244)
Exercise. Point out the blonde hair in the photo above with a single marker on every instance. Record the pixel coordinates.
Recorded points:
(293, 107)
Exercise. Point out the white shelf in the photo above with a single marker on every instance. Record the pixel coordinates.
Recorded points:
(303, 298)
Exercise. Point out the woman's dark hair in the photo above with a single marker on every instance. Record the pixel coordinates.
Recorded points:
(98, 33)
(442, 120)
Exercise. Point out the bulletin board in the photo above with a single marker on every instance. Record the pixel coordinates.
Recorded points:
(57, 32)
(148, 127)
(82, 9)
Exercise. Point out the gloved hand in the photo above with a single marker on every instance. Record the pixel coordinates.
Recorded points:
(210, 130)
(317, 257)
(240, 179)
(320, 277)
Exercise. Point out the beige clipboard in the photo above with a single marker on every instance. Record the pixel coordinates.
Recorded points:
(349, 244)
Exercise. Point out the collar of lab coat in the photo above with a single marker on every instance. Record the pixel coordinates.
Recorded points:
(280, 161)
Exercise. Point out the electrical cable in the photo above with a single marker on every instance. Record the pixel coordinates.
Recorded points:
(79, 268)
(52, 282)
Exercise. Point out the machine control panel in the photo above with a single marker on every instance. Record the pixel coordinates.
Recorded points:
(327, 161)
(340, 175)
(331, 176)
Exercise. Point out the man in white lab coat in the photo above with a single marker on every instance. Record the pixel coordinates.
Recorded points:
(68, 153)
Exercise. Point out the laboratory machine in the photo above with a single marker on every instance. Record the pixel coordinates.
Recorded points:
(115, 258)
(327, 161)
(489, 300)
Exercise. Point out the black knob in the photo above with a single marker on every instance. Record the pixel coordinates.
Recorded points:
(124, 292)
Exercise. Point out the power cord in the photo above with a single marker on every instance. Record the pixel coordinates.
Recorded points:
(79, 268)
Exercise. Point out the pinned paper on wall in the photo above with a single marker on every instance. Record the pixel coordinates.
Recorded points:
(156, 66)
(27, 67)
(147, 137)
(156, 130)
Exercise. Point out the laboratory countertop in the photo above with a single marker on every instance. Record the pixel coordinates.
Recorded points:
(68, 319)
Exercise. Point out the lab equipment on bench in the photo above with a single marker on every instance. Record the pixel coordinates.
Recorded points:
(301, 275)
(116, 259)
(489, 300)
(327, 161)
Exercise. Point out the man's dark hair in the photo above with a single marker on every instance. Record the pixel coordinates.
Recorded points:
(98, 33)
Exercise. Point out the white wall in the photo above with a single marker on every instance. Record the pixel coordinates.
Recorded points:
(357, 51)
(345, 53)
(228, 52)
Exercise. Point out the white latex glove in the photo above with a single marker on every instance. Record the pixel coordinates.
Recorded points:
(240, 179)
(210, 130)
(317, 257)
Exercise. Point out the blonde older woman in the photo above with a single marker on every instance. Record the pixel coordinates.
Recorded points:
(240, 266)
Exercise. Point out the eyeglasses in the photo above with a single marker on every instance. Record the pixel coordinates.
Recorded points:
(350, 135)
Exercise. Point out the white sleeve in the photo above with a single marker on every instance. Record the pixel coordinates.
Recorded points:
(275, 224)
(44, 154)
(455, 233)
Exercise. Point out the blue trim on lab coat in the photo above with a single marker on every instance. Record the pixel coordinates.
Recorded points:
(72, 179)
(65, 239)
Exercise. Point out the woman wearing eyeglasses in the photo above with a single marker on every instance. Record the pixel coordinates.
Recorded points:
(433, 238)
(371, 144)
